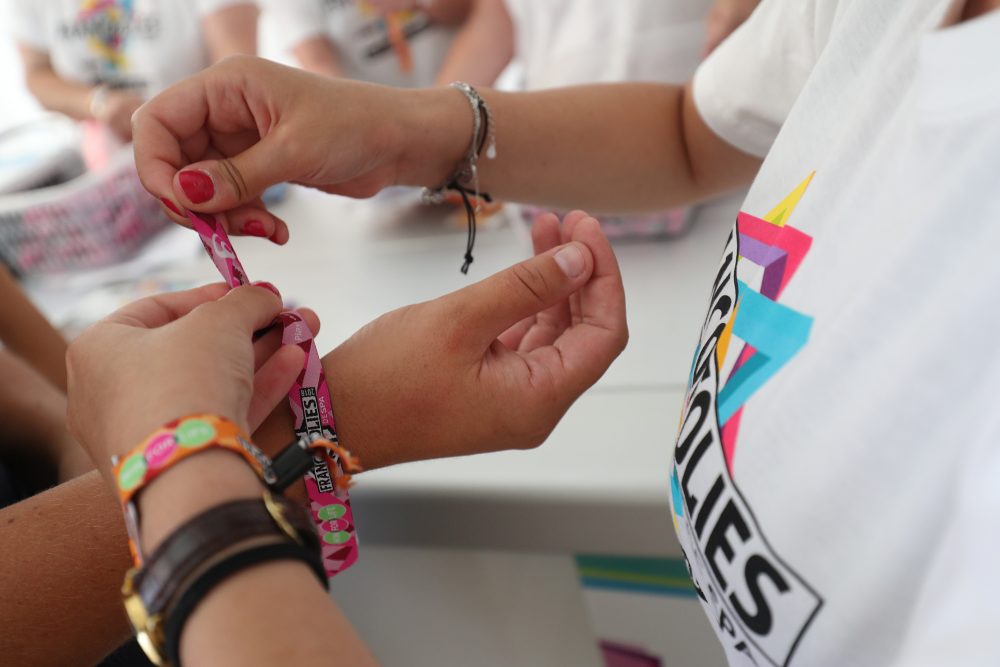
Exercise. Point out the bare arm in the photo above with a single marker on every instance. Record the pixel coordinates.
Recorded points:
(442, 12)
(449, 12)
(52, 91)
(483, 47)
(61, 566)
(608, 148)
(33, 414)
(318, 55)
(26, 332)
(66, 552)
(231, 31)
(238, 607)
(76, 100)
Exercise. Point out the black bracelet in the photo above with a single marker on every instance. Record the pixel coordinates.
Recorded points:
(216, 574)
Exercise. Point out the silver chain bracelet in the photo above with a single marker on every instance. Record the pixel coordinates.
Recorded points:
(467, 172)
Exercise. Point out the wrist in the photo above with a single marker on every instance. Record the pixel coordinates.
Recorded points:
(189, 488)
(97, 101)
(436, 126)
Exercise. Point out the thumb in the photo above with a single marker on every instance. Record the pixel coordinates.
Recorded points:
(493, 305)
(248, 308)
(219, 185)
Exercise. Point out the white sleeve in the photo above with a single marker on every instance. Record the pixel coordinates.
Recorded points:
(27, 23)
(957, 613)
(745, 89)
(206, 7)
(294, 21)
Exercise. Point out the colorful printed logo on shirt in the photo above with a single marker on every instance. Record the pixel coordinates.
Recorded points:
(107, 22)
(760, 606)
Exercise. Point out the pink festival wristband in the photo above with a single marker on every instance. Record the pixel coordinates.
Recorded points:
(311, 406)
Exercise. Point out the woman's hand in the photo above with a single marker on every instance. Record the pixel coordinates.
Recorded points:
(492, 366)
(216, 141)
(175, 354)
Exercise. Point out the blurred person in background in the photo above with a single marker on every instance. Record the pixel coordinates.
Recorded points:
(572, 42)
(392, 42)
(568, 42)
(98, 60)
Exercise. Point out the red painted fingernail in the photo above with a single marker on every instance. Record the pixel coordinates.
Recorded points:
(254, 228)
(172, 206)
(268, 286)
(197, 185)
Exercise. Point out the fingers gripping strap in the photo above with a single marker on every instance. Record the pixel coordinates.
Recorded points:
(309, 399)
(219, 249)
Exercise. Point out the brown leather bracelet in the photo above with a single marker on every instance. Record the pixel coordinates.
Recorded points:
(215, 541)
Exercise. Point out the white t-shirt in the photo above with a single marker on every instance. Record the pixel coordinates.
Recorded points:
(358, 33)
(568, 42)
(142, 45)
(836, 479)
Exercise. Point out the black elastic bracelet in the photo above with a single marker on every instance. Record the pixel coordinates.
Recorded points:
(470, 218)
(221, 571)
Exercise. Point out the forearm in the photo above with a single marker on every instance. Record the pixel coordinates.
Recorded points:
(310, 624)
(483, 47)
(449, 12)
(57, 94)
(231, 31)
(607, 148)
(273, 614)
(317, 55)
(32, 411)
(309, 627)
(61, 568)
(25, 331)
(66, 552)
